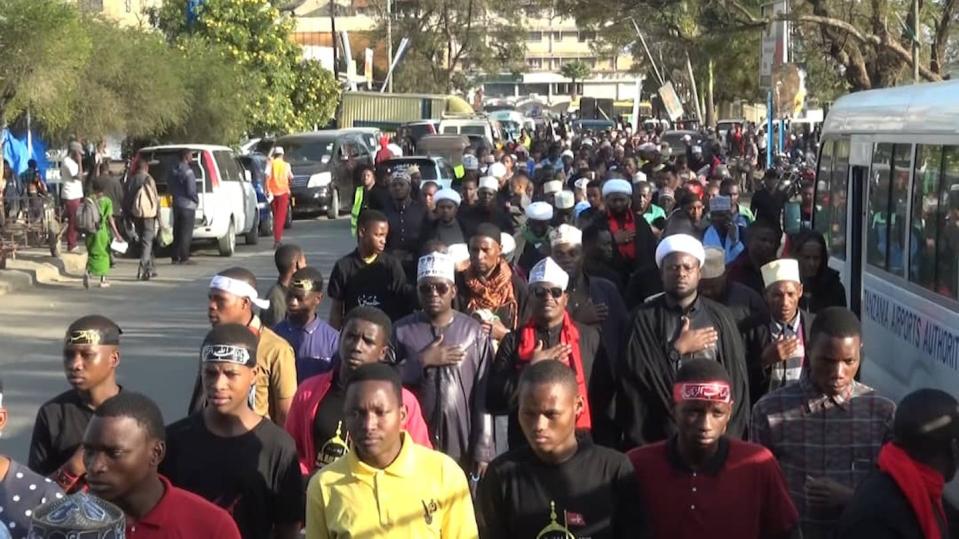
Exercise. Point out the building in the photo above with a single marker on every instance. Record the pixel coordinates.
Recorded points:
(125, 12)
(551, 42)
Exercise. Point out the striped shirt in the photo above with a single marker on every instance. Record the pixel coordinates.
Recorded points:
(814, 435)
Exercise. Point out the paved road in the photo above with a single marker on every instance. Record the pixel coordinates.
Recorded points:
(163, 320)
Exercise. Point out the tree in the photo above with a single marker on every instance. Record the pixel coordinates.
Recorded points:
(45, 50)
(453, 42)
(260, 42)
(131, 84)
(577, 70)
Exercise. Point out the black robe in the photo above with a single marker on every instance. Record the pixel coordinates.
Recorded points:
(644, 242)
(645, 373)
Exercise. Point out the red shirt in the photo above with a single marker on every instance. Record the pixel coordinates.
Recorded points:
(739, 494)
(183, 515)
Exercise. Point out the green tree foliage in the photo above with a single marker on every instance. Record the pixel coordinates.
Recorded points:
(259, 40)
(131, 84)
(453, 42)
(43, 50)
(216, 101)
(312, 82)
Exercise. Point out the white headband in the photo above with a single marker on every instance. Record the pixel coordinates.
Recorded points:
(239, 288)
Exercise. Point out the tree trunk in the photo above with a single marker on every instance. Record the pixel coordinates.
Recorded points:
(710, 105)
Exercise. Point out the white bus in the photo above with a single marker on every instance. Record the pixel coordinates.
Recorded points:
(888, 192)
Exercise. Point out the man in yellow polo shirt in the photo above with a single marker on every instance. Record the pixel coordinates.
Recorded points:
(387, 486)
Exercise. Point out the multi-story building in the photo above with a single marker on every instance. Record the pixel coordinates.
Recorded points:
(126, 12)
(551, 42)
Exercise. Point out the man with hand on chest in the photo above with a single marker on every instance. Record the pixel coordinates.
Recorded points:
(444, 357)
(550, 334)
(560, 485)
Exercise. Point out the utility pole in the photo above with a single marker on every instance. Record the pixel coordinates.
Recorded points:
(336, 69)
(389, 42)
(645, 48)
(915, 40)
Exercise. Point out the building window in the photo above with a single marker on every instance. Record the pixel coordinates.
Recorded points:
(535, 37)
(586, 36)
(557, 36)
(534, 63)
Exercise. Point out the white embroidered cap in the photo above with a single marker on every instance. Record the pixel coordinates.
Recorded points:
(548, 271)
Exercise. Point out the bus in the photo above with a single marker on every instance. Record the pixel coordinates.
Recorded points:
(887, 196)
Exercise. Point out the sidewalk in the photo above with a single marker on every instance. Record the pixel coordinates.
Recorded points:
(34, 266)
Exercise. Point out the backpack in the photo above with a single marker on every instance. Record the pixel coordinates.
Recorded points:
(144, 201)
(88, 216)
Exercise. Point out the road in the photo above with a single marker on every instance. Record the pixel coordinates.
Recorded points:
(163, 320)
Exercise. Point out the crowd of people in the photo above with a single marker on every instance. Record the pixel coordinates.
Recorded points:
(601, 340)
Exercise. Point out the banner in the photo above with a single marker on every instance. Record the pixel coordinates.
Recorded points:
(775, 42)
(674, 107)
(368, 65)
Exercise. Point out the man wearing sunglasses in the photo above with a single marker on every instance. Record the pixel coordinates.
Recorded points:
(551, 334)
(445, 357)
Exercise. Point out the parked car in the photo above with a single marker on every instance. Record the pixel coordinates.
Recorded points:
(435, 169)
(675, 140)
(323, 163)
(228, 202)
(418, 130)
(256, 164)
(449, 147)
(370, 135)
(471, 126)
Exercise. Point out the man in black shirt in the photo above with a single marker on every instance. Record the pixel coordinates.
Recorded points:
(767, 203)
(551, 333)
(228, 454)
(369, 276)
(289, 258)
(903, 497)
(558, 486)
(486, 209)
(91, 354)
(762, 243)
(408, 221)
(742, 301)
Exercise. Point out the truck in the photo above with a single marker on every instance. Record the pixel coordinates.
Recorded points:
(388, 111)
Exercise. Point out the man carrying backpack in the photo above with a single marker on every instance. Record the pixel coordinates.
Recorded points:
(141, 203)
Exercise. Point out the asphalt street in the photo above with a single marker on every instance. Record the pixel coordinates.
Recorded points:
(163, 320)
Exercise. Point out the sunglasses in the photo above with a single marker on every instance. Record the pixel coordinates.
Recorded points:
(540, 292)
(440, 288)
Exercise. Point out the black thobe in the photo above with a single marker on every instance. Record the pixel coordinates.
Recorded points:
(584, 290)
(644, 242)
(645, 373)
(507, 367)
(879, 510)
(743, 302)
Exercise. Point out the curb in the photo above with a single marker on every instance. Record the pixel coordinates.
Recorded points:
(12, 280)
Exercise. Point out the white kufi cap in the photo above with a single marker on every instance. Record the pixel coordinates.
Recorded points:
(680, 243)
(497, 170)
(470, 162)
(564, 200)
(447, 194)
(639, 177)
(489, 182)
(784, 269)
(552, 186)
(539, 211)
(548, 271)
(436, 265)
(617, 186)
(566, 234)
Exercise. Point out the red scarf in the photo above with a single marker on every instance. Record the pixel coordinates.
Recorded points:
(567, 335)
(921, 485)
(626, 250)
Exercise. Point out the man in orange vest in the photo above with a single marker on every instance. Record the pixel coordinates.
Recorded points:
(278, 178)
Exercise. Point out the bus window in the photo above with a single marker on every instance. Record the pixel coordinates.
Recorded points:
(823, 179)
(947, 276)
(836, 214)
(898, 210)
(925, 213)
(877, 234)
